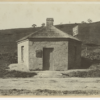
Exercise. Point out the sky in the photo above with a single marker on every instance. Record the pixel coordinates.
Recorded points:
(23, 15)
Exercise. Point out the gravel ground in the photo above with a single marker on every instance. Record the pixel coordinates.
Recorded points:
(45, 83)
(51, 83)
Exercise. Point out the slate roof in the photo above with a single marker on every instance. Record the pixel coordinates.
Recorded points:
(52, 32)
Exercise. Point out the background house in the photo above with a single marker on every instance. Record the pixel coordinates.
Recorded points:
(49, 49)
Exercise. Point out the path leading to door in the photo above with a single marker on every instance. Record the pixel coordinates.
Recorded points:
(48, 74)
(55, 74)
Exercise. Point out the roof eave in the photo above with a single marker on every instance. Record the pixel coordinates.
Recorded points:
(56, 38)
(22, 40)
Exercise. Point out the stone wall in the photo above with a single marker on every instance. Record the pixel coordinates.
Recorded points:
(25, 53)
(74, 58)
(60, 54)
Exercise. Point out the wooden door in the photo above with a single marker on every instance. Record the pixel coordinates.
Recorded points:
(47, 62)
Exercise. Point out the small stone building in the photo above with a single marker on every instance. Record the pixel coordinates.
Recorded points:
(49, 49)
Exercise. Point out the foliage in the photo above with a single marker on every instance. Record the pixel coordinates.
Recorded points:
(83, 22)
(47, 92)
(6, 59)
(34, 25)
(90, 57)
(84, 74)
(15, 74)
(89, 20)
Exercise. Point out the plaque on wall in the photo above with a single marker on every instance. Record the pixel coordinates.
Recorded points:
(39, 53)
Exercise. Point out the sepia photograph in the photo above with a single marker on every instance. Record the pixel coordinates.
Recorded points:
(49, 49)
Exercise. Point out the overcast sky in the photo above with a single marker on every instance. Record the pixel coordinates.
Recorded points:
(22, 15)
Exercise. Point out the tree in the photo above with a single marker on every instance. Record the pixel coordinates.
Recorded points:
(43, 24)
(34, 25)
(83, 22)
(89, 20)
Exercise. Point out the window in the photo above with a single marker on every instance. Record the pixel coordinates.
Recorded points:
(22, 53)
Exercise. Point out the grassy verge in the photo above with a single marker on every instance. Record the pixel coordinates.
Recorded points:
(46, 92)
(19, 74)
(15, 74)
(84, 74)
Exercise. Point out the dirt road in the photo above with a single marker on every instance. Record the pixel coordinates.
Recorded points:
(51, 83)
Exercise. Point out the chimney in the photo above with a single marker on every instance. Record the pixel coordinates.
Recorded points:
(49, 22)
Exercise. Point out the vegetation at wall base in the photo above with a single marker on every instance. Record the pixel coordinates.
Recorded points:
(47, 92)
(82, 74)
(15, 74)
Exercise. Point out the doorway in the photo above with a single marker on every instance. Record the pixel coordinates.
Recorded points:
(47, 58)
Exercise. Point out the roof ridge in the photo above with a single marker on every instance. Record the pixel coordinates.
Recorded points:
(36, 31)
(57, 33)
(59, 30)
(66, 34)
(25, 37)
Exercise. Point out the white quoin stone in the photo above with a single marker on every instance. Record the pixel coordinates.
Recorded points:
(25, 61)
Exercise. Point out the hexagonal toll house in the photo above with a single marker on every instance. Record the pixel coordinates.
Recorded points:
(49, 49)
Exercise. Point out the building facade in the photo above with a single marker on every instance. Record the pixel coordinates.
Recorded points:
(49, 49)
